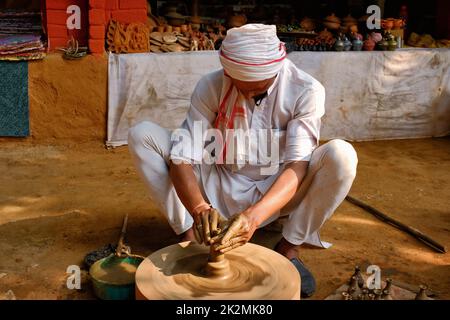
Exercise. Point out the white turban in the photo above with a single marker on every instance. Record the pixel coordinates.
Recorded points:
(252, 52)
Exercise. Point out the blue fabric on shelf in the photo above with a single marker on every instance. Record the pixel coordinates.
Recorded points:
(14, 113)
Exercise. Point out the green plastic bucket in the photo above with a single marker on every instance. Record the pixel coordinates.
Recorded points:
(113, 278)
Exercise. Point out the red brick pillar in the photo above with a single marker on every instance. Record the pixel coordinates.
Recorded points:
(56, 22)
(98, 22)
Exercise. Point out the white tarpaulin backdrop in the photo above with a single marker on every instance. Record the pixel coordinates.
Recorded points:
(369, 95)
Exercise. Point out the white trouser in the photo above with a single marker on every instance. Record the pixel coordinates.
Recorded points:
(330, 175)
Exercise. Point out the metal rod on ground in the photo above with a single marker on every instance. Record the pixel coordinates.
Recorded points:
(412, 231)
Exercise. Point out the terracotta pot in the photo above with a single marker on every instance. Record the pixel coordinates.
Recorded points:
(354, 28)
(387, 24)
(331, 25)
(325, 34)
(177, 29)
(169, 28)
(333, 18)
(399, 23)
(308, 24)
(237, 20)
(349, 20)
(161, 28)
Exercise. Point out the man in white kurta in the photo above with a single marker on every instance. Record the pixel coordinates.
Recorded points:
(304, 181)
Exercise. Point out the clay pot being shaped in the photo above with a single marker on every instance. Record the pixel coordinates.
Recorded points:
(308, 24)
(369, 44)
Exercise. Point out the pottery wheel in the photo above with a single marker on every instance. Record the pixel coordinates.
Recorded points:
(187, 271)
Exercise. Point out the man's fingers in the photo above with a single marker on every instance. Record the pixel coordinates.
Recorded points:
(232, 231)
(205, 223)
(197, 235)
(234, 246)
(231, 243)
(213, 220)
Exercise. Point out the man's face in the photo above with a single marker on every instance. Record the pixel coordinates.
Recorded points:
(252, 89)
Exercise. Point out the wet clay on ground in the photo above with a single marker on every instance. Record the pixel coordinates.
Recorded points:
(252, 272)
(59, 202)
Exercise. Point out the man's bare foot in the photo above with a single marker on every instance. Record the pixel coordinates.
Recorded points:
(287, 249)
(188, 236)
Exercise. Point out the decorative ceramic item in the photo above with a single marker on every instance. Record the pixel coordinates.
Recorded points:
(392, 44)
(399, 23)
(339, 45)
(387, 290)
(383, 45)
(347, 44)
(357, 45)
(353, 28)
(237, 20)
(308, 24)
(332, 22)
(131, 38)
(369, 44)
(376, 36)
(387, 24)
(378, 294)
(421, 295)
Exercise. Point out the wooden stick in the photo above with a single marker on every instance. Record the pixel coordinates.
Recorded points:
(120, 244)
(412, 231)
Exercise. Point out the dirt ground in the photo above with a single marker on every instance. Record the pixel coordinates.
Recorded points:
(60, 201)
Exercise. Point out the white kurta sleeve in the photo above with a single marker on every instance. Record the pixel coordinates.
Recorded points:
(187, 141)
(303, 132)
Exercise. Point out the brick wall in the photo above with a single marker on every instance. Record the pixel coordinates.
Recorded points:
(95, 18)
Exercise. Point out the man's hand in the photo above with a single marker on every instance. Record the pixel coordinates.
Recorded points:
(237, 232)
(206, 225)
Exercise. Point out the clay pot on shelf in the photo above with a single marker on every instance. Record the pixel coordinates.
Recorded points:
(349, 19)
(383, 45)
(376, 37)
(161, 28)
(332, 22)
(387, 24)
(331, 25)
(354, 28)
(325, 34)
(369, 44)
(399, 23)
(237, 20)
(392, 43)
(332, 18)
(308, 24)
(357, 45)
(347, 44)
(339, 45)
